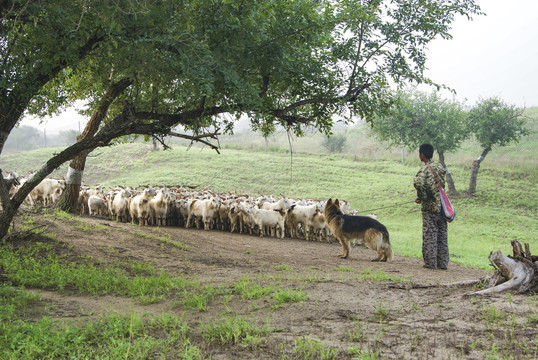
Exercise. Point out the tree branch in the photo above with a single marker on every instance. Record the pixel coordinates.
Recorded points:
(198, 138)
(161, 141)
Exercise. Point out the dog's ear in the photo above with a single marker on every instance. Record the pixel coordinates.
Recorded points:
(329, 202)
(336, 203)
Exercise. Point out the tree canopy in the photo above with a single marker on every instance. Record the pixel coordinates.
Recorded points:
(493, 122)
(418, 117)
(279, 62)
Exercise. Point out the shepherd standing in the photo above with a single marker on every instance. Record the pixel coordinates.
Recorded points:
(434, 226)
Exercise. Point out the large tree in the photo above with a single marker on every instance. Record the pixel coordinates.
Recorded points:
(418, 117)
(493, 122)
(287, 63)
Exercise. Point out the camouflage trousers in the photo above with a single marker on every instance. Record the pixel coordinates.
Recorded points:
(434, 240)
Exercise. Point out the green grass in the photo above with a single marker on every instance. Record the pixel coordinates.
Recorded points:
(199, 299)
(368, 274)
(233, 330)
(113, 336)
(283, 296)
(131, 335)
(379, 275)
(38, 267)
(314, 349)
(361, 354)
(251, 290)
(15, 302)
(358, 333)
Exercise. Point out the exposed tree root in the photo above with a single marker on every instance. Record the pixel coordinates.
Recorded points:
(518, 273)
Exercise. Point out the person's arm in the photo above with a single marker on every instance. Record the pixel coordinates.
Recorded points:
(420, 186)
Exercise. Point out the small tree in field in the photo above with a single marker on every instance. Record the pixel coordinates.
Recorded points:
(335, 143)
(494, 123)
(418, 118)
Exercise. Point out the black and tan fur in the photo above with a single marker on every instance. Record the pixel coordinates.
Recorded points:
(363, 228)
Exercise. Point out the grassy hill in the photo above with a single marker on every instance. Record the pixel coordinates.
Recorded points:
(503, 209)
(370, 177)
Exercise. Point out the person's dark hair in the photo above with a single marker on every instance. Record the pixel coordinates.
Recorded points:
(427, 150)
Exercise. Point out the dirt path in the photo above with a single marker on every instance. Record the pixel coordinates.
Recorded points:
(417, 319)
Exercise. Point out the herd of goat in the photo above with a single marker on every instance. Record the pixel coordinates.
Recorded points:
(188, 207)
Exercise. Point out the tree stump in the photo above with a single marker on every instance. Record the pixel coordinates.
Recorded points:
(518, 272)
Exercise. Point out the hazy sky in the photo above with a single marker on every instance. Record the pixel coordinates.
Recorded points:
(493, 55)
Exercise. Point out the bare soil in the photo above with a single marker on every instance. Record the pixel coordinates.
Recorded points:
(421, 318)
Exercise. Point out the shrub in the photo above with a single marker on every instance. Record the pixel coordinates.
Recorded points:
(335, 143)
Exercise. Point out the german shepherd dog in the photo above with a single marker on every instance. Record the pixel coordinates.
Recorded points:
(363, 228)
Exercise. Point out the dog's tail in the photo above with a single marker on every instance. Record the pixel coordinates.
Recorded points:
(387, 247)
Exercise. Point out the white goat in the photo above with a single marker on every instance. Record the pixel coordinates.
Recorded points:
(11, 181)
(223, 217)
(47, 191)
(159, 207)
(120, 204)
(183, 206)
(318, 226)
(282, 204)
(139, 207)
(203, 210)
(97, 206)
(303, 216)
(233, 215)
(268, 221)
(246, 221)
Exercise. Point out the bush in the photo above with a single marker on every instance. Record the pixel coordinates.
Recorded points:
(335, 143)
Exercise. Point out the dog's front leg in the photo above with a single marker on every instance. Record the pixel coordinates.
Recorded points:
(345, 248)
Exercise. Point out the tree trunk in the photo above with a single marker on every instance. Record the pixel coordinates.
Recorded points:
(69, 199)
(5, 220)
(519, 272)
(7, 209)
(474, 171)
(3, 138)
(449, 181)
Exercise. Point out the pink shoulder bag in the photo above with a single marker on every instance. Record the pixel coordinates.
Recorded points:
(447, 210)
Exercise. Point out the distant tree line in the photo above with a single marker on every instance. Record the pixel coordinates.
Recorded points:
(26, 137)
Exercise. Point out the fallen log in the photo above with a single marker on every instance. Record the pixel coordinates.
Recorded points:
(518, 273)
